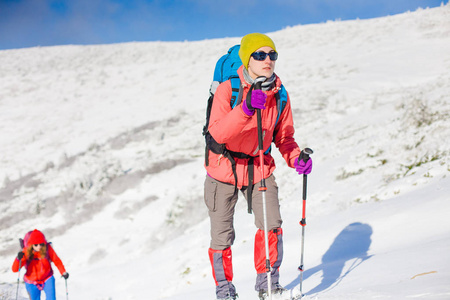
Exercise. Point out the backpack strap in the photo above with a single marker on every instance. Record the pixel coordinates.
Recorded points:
(251, 176)
(281, 101)
(236, 91)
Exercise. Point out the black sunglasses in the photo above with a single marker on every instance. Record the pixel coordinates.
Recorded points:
(39, 244)
(262, 55)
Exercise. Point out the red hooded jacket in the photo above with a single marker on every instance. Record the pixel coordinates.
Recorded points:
(38, 268)
(239, 132)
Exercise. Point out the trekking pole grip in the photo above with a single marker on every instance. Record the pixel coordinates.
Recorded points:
(258, 82)
(257, 86)
(304, 155)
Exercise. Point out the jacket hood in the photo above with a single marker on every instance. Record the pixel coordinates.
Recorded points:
(36, 237)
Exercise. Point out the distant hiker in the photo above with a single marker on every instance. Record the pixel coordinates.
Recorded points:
(236, 167)
(36, 257)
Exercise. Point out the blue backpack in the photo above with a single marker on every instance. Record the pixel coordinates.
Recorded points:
(226, 69)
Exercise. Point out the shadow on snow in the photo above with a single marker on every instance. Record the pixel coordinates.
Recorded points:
(352, 243)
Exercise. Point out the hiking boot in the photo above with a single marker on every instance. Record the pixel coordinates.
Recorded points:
(277, 289)
(226, 291)
(234, 297)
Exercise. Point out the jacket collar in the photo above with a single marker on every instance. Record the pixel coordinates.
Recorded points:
(246, 85)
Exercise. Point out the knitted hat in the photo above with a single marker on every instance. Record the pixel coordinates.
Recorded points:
(36, 237)
(252, 42)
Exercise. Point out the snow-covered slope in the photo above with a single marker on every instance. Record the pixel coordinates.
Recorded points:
(101, 149)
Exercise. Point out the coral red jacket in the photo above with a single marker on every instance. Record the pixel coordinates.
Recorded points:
(239, 132)
(39, 269)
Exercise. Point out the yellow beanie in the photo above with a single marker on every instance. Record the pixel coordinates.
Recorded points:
(252, 42)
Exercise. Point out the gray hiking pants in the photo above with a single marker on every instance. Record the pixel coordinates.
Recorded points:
(221, 198)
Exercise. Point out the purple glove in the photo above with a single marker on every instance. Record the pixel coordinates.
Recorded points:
(303, 167)
(257, 100)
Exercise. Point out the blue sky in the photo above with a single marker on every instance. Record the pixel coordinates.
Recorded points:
(29, 23)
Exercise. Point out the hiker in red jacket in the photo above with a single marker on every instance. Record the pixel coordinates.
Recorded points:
(36, 257)
(237, 129)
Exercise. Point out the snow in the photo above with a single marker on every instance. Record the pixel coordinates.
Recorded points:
(102, 151)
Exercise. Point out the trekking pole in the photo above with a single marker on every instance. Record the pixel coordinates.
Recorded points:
(67, 291)
(304, 155)
(20, 267)
(18, 280)
(263, 188)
